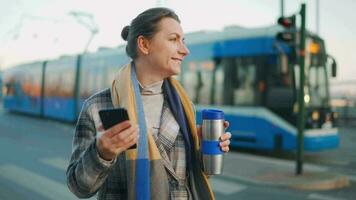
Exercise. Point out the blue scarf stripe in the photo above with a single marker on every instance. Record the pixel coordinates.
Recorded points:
(143, 188)
(193, 165)
(178, 113)
(143, 140)
(142, 162)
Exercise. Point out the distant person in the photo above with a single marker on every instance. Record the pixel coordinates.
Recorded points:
(101, 161)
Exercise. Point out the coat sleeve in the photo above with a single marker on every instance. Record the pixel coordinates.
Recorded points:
(86, 171)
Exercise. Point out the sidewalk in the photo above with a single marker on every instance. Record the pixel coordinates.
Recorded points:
(277, 172)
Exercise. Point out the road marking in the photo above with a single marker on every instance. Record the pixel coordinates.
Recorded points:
(274, 162)
(322, 197)
(57, 162)
(242, 178)
(333, 162)
(46, 187)
(226, 187)
(352, 178)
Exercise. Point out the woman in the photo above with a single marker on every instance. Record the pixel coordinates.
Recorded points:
(166, 163)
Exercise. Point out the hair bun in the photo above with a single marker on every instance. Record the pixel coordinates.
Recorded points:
(125, 32)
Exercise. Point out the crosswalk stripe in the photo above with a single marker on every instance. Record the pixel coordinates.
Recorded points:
(226, 187)
(277, 162)
(322, 197)
(57, 162)
(351, 177)
(44, 186)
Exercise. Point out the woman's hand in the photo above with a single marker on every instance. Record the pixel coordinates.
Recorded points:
(225, 138)
(116, 139)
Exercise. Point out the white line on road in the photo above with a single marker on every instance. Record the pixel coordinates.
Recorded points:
(352, 178)
(322, 197)
(42, 185)
(57, 162)
(275, 161)
(226, 187)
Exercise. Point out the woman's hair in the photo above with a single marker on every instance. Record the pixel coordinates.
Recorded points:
(145, 24)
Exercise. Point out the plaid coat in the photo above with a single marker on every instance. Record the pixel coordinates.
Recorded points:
(88, 174)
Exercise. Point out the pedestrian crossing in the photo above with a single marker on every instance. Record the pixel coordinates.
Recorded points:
(39, 184)
(57, 162)
(316, 196)
(226, 187)
(54, 190)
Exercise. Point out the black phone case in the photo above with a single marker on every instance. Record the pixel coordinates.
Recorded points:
(111, 117)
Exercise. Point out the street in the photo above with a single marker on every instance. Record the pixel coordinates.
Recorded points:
(35, 152)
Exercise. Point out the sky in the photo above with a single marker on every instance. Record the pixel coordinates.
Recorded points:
(44, 29)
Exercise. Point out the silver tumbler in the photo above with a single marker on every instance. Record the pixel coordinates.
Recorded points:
(212, 129)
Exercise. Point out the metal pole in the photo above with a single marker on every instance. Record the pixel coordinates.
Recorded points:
(317, 16)
(282, 8)
(89, 41)
(300, 144)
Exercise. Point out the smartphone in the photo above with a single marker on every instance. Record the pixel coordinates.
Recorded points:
(113, 116)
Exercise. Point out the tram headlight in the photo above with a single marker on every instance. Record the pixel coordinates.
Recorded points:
(315, 115)
(306, 98)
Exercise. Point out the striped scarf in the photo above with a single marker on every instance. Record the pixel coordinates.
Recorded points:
(145, 170)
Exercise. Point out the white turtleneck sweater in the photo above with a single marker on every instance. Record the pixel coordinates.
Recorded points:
(152, 100)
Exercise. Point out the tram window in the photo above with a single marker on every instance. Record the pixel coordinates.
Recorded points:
(206, 70)
(219, 85)
(84, 88)
(62, 85)
(317, 84)
(244, 92)
(101, 82)
(66, 82)
(36, 87)
(190, 80)
(31, 84)
(198, 81)
(26, 82)
(100, 72)
(10, 86)
(92, 80)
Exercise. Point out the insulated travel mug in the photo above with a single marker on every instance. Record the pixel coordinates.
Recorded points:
(212, 129)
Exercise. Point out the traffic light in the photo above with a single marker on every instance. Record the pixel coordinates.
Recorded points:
(288, 35)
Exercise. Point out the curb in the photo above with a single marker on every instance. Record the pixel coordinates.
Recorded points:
(306, 181)
(337, 182)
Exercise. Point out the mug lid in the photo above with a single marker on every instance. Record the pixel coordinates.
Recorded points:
(212, 114)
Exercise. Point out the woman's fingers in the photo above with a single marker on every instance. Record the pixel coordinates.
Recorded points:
(225, 142)
(133, 141)
(225, 149)
(111, 132)
(125, 136)
(225, 136)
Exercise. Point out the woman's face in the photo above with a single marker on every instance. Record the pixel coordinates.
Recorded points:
(166, 49)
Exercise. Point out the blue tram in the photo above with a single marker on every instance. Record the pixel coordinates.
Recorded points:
(245, 72)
